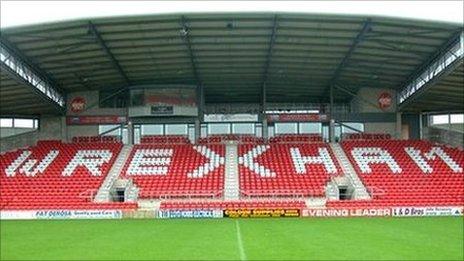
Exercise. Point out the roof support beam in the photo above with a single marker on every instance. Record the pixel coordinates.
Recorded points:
(29, 107)
(267, 64)
(25, 72)
(185, 33)
(444, 61)
(101, 42)
(366, 27)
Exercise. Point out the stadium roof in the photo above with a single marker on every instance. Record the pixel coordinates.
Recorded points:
(297, 57)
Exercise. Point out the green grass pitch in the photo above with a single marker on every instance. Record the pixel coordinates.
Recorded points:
(235, 239)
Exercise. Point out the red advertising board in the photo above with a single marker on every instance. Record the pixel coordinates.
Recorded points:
(93, 120)
(296, 117)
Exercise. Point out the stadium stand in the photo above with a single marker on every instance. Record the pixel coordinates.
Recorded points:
(406, 173)
(161, 170)
(55, 175)
(286, 169)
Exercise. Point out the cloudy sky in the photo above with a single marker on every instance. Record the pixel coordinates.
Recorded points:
(14, 13)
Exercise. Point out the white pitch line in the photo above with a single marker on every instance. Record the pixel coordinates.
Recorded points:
(240, 242)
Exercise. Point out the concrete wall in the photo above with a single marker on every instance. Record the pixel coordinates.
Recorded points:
(52, 128)
(91, 105)
(18, 141)
(372, 95)
(380, 127)
(367, 101)
(6, 132)
(82, 130)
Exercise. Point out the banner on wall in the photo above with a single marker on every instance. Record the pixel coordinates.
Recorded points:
(190, 214)
(307, 117)
(95, 120)
(261, 213)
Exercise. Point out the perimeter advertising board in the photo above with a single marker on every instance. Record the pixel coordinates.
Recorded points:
(78, 214)
(427, 211)
(360, 212)
(261, 213)
(384, 212)
(190, 214)
(61, 214)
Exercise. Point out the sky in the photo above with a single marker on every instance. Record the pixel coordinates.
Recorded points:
(15, 13)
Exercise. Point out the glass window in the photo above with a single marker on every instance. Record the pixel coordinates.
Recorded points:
(325, 133)
(24, 123)
(6, 122)
(137, 134)
(258, 130)
(457, 118)
(203, 130)
(440, 119)
(125, 136)
(281, 128)
(114, 127)
(270, 130)
(338, 132)
(243, 128)
(176, 129)
(309, 127)
(152, 129)
(191, 132)
(355, 125)
(219, 128)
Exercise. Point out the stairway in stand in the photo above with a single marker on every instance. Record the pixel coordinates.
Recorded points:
(231, 182)
(103, 194)
(360, 191)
